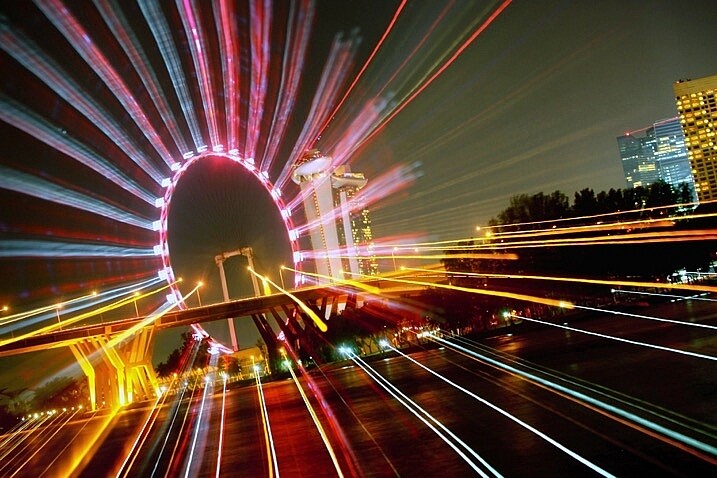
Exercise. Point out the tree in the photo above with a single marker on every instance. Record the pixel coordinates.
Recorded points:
(179, 358)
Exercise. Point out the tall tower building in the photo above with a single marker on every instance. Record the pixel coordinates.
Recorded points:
(638, 158)
(671, 155)
(658, 154)
(339, 226)
(697, 111)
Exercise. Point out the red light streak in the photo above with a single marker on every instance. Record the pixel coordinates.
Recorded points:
(445, 66)
(360, 73)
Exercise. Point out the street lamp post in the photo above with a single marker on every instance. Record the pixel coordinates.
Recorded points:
(281, 276)
(57, 311)
(136, 310)
(393, 258)
(199, 296)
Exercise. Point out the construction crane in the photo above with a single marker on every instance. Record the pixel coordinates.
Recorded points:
(219, 260)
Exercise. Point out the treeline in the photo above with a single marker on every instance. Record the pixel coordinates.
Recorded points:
(524, 208)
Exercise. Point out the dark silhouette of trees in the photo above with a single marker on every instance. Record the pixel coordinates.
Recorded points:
(524, 208)
(178, 357)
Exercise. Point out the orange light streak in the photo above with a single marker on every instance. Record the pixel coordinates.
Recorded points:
(508, 295)
(659, 285)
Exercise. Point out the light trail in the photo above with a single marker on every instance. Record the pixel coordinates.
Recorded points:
(679, 297)
(621, 415)
(301, 18)
(508, 295)
(648, 317)
(460, 447)
(441, 69)
(162, 34)
(360, 285)
(611, 283)
(39, 248)
(29, 185)
(227, 33)
(196, 42)
(78, 318)
(24, 444)
(315, 418)
(358, 420)
(310, 313)
(619, 339)
(515, 419)
(47, 439)
(198, 425)
(82, 42)
(185, 364)
(368, 61)
(220, 446)
(69, 442)
(119, 338)
(61, 83)
(57, 138)
(140, 437)
(22, 435)
(117, 22)
(260, 16)
(273, 466)
(337, 65)
(91, 442)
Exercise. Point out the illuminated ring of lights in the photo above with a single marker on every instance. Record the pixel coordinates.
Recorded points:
(162, 249)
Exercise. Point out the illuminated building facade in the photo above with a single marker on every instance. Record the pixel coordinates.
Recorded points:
(697, 112)
(638, 158)
(658, 154)
(339, 226)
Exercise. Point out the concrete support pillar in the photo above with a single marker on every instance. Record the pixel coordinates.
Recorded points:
(117, 375)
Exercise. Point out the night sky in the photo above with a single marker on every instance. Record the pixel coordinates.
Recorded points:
(533, 104)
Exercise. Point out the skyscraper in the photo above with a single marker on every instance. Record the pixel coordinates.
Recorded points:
(339, 226)
(638, 158)
(658, 154)
(697, 111)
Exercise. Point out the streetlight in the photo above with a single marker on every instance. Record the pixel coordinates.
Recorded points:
(136, 311)
(57, 311)
(393, 258)
(281, 275)
(199, 297)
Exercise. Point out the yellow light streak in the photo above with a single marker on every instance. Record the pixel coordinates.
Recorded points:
(146, 321)
(83, 316)
(508, 295)
(314, 417)
(270, 455)
(359, 285)
(23, 315)
(659, 285)
(305, 308)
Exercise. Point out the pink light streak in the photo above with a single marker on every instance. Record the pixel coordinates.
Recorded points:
(260, 15)
(334, 73)
(116, 21)
(163, 38)
(81, 41)
(443, 68)
(363, 68)
(292, 66)
(228, 37)
(45, 69)
(196, 43)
